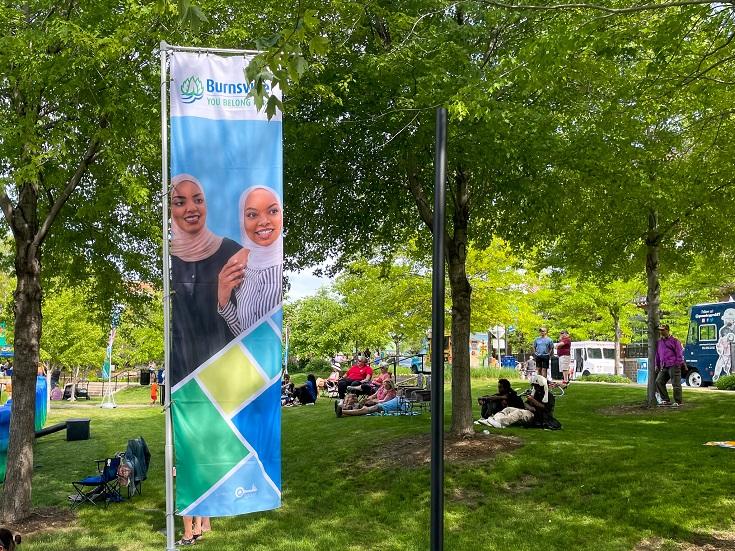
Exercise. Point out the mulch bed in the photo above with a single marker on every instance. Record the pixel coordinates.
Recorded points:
(641, 408)
(718, 541)
(44, 518)
(415, 451)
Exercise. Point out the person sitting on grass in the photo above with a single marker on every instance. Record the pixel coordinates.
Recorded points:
(306, 393)
(387, 391)
(390, 406)
(536, 412)
(286, 390)
(8, 540)
(495, 403)
(350, 402)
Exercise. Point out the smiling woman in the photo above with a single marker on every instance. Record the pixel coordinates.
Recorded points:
(197, 332)
(255, 274)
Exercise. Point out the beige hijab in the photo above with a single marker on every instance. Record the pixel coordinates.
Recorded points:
(192, 247)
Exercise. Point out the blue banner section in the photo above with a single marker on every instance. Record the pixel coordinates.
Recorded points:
(227, 157)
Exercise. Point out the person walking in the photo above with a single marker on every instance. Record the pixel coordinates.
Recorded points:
(543, 348)
(669, 361)
(563, 350)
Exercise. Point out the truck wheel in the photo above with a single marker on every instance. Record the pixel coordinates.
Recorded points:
(694, 379)
(585, 373)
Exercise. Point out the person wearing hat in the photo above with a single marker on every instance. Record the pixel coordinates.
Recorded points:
(669, 361)
(377, 382)
(330, 383)
(387, 391)
(538, 408)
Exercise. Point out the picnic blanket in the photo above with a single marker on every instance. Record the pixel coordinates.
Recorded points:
(392, 413)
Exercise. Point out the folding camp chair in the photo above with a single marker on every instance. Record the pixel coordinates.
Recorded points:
(418, 400)
(101, 487)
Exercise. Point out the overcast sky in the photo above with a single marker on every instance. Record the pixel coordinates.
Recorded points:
(304, 283)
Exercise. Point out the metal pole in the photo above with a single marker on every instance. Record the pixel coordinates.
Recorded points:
(437, 341)
(169, 446)
(196, 49)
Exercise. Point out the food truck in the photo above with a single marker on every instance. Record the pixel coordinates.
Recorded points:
(710, 349)
(592, 358)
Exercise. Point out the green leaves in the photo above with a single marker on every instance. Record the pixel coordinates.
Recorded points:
(190, 14)
(319, 45)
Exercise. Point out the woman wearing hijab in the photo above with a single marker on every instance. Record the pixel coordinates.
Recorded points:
(255, 277)
(198, 255)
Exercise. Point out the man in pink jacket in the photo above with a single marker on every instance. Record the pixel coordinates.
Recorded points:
(669, 361)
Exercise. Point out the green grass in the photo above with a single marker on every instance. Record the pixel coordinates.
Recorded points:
(605, 482)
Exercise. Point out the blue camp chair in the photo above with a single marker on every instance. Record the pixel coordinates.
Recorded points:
(99, 488)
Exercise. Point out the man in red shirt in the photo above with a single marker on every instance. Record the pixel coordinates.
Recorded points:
(359, 373)
(563, 350)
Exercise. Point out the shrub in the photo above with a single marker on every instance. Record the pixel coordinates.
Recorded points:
(494, 373)
(317, 365)
(726, 383)
(605, 379)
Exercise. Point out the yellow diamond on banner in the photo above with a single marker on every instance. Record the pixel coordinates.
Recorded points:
(231, 379)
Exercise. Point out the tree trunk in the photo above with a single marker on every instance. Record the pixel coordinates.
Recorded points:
(653, 239)
(460, 291)
(455, 249)
(16, 502)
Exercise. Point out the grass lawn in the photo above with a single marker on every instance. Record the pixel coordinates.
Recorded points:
(613, 477)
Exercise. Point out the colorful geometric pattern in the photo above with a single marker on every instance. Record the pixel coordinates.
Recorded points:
(227, 427)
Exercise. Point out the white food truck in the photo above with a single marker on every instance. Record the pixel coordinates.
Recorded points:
(593, 358)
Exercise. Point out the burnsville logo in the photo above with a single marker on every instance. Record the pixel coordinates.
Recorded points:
(191, 89)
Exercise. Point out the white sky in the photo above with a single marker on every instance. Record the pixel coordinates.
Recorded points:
(304, 283)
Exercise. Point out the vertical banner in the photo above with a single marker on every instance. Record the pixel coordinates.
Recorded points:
(107, 364)
(226, 275)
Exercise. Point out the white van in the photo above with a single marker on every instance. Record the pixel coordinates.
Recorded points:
(593, 358)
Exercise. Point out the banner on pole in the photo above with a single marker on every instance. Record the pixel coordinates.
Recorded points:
(226, 274)
(106, 365)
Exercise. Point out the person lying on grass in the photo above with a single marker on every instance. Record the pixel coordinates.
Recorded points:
(495, 403)
(537, 410)
(390, 406)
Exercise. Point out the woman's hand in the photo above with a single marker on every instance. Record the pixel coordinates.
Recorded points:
(231, 275)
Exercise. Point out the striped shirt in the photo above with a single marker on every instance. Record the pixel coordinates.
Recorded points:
(259, 293)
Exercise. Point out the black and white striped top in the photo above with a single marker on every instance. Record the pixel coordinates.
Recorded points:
(260, 292)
